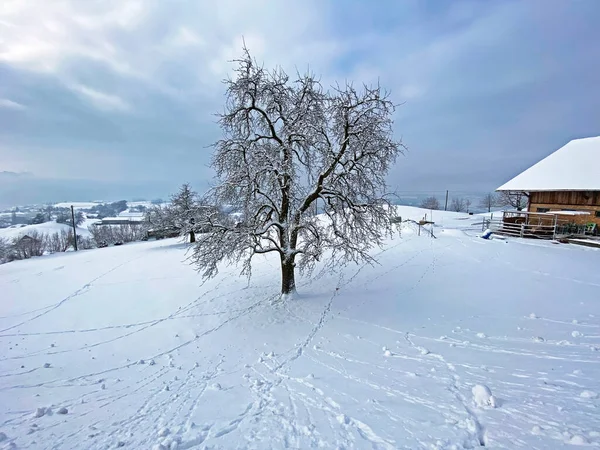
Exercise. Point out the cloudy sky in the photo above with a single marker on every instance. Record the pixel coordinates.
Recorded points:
(117, 97)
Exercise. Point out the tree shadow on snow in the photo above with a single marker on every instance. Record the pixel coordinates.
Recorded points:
(174, 246)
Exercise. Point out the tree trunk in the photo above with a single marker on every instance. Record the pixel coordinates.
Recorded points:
(192, 236)
(288, 276)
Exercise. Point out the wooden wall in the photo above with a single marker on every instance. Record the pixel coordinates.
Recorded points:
(567, 198)
(574, 200)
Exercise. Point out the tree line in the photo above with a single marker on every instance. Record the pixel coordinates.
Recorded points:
(516, 200)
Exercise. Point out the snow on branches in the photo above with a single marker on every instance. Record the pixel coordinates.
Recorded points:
(289, 144)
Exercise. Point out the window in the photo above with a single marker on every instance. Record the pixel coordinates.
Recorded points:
(543, 209)
(597, 213)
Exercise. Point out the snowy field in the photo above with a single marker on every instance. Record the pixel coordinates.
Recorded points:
(124, 347)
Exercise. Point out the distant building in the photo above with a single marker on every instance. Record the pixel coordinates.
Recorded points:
(565, 183)
(26, 239)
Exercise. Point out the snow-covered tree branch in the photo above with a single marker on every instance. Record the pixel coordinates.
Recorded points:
(287, 144)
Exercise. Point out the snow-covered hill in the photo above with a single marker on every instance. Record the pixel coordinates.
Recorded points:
(46, 228)
(454, 342)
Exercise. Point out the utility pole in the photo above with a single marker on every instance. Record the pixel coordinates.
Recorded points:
(446, 205)
(74, 228)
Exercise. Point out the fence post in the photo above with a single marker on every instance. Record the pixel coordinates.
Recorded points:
(522, 229)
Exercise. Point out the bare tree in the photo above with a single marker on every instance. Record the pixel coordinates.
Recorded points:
(183, 210)
(515, 199)
(489, 201)
(458, 205)
(467, 204)
(430, 203)
(64, 216)
(288, 143)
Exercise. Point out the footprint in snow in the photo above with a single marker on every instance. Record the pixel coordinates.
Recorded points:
(588, 394)
(578, 440)
(482, 396)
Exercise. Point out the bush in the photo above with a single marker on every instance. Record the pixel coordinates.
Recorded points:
(32, 244)
(85, 243)
(60, 241)
(430, 203)
(117, 233)
(4, 250)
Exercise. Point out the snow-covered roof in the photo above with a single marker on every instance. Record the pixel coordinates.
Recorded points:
(574, 167)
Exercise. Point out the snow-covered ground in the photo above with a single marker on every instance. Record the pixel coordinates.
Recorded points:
(454, 342)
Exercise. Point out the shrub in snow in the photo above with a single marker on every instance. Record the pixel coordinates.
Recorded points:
(46, 365)
(482, 396)
(62, 410)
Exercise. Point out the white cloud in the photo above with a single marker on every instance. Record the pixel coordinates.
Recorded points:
(139, 39)
(184, 37)
(101, 100)
(9, 104)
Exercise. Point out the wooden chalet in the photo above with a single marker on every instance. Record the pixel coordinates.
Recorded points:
(563, 192)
